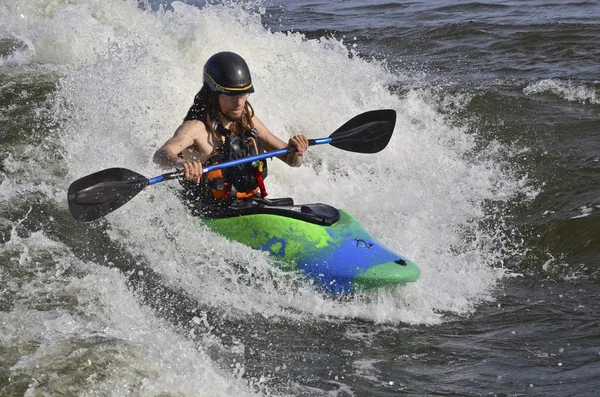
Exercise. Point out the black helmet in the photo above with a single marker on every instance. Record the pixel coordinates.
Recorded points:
(227, 72)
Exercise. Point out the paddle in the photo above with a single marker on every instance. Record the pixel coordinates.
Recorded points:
(99, 194)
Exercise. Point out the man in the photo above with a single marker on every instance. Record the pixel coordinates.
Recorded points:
(221, 126)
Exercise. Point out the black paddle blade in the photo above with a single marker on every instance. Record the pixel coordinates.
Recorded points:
(98, 194)
(369, 132)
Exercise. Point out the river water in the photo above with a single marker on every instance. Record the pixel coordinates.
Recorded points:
(490, 184)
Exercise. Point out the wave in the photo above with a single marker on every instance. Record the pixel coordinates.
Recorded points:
(126, 83)
(566, 90)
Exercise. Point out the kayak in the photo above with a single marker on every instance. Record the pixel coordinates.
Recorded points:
(329, 246)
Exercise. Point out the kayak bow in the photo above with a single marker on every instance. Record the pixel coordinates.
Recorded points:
(328, 246)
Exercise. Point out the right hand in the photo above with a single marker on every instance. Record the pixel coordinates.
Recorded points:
(192, 170)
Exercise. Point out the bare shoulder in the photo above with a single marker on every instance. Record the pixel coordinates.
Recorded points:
(189, 135)
(194, 129)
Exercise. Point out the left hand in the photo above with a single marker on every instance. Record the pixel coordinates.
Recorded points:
(300, 143)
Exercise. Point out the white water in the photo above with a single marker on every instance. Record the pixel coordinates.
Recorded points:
(121, 345)
(566, 90)
(127, 77)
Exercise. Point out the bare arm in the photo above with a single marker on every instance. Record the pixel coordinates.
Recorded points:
(190, 135)
(272, 142)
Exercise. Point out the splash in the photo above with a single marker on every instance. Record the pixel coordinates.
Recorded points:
(566, 90)
(75, 327)
(127, 79)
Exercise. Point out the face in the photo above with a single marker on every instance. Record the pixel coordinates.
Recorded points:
(232, 106)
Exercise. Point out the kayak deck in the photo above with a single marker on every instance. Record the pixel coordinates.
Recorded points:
(328, 245)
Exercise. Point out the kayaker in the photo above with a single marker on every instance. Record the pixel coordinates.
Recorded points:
(220, 126)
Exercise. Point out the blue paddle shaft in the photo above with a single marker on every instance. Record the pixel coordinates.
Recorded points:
(164, 177)
(233, 163)
(319, 141)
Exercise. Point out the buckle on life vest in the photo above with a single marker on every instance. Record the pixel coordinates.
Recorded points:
(221, 193)
(216, 174)
(220, 189)
(245, 195)
(259, 165)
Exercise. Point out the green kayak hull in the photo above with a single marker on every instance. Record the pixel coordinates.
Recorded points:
(340, 258)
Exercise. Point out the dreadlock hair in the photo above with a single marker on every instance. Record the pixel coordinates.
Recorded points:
(206, 108)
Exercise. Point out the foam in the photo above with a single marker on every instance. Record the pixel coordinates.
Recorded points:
(566, 90)
(128, 78)
(80, 320)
